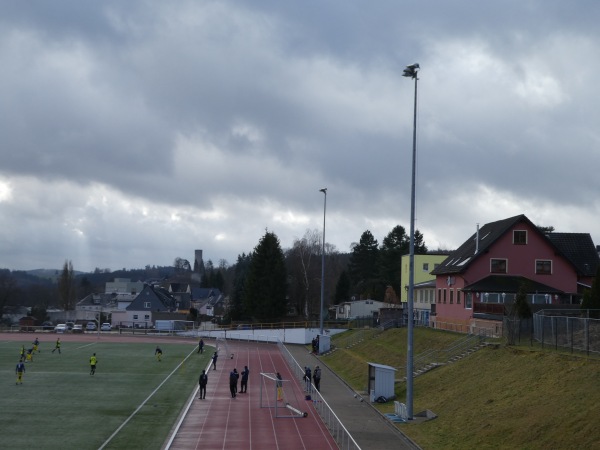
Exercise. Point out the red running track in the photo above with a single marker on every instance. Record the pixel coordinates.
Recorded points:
(223, 422)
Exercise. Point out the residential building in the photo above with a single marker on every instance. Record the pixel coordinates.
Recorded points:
(358, 308)
(476, 281)
(424, 283)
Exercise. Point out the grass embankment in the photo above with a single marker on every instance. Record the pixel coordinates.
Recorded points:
(499, 397)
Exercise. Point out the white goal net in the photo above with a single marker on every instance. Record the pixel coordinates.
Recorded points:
(279, 394)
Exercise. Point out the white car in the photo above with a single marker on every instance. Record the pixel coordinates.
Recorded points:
(91, 326)
(60, 328)
(106, 327)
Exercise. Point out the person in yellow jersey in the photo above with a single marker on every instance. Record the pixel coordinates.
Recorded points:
(57, 346)
(22, 353)
(158, 353)
(93, 362)
(36, 345)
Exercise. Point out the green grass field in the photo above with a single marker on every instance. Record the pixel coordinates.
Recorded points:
(513, 397)
(60, 405)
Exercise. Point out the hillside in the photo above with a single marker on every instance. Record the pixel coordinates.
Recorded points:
(499, 397)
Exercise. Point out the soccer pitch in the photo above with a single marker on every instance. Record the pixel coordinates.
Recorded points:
(132, 402)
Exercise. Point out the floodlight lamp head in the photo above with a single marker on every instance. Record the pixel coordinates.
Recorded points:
(411, 71)
(324, 191)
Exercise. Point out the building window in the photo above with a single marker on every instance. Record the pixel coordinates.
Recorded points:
(439, 296)
(498, 265)
(425, 267)
(451, 296)
(135, 317)
(444, 295)
(519, 237)
(469, 300)
(147, 305)
(543, 267)
(147, 317)
(458, 297)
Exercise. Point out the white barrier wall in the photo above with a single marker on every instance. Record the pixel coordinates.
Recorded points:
(285, 335)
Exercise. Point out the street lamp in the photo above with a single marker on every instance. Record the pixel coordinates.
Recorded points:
(324, 191)
(411, 72)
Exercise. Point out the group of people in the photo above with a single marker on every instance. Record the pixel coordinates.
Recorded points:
(234, 376)
(312, 377)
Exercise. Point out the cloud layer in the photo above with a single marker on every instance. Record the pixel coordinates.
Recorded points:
(135, 132)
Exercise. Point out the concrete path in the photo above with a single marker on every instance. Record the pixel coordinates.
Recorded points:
(370, 429)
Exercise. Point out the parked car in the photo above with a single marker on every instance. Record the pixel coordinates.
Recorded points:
(77, 328)
(91, 326)
(47, 326)
(69, 325)
(60, 328)
(106, 327)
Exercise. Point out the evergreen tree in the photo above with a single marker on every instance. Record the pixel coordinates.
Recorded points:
(236, 307)
(394, 245)
(364, 267)
(66, 286)
(342, 288)
(591, 298)
(266, 283)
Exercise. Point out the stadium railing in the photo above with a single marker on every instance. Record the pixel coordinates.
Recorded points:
(341, 435)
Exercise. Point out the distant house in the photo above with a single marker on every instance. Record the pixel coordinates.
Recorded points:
(358, 308)
(208, 301)
(475, 282)
(139, 314)
(424, 283)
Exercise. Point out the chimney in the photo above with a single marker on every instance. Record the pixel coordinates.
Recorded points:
(477, 240)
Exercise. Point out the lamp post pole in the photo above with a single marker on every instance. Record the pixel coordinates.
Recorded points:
(411, 72)
(324, 191)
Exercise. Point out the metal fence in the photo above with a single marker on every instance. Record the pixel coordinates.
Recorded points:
(341, 435)
(574, 331)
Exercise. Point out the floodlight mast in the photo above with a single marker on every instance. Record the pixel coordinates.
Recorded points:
(324, 191)
(411, 72)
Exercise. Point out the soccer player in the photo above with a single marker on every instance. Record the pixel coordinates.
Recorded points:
(29, 355)
(158, 353)
(57, 346)
(22, 353)
(93, 362)
(36, 345)
(279, 385)
(19, 371)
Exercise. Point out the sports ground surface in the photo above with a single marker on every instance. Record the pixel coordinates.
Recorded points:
(134, 401)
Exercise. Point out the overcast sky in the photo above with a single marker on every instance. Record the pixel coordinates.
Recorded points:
(134, 132)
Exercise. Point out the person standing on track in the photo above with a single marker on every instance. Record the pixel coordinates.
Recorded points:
(233, 379)
(244, 382)
(317, 378)
(57, 346)
(201, 346)
(279, 384)
(214, 360)
(93, 362)
(202, 381)
(307, 379)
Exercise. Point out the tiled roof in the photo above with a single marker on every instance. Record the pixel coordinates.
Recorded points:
(579, 249)
(459, 260)
(508, 283)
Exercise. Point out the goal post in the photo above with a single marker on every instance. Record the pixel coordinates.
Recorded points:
(279, 394)
(222, 348)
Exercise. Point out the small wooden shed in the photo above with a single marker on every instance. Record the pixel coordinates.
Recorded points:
(381, 382)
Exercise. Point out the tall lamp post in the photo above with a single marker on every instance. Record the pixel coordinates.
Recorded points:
(411, 72)
(324, 191)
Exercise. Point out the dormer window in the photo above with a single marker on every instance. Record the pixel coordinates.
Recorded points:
(520, 237)
(498, 265)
